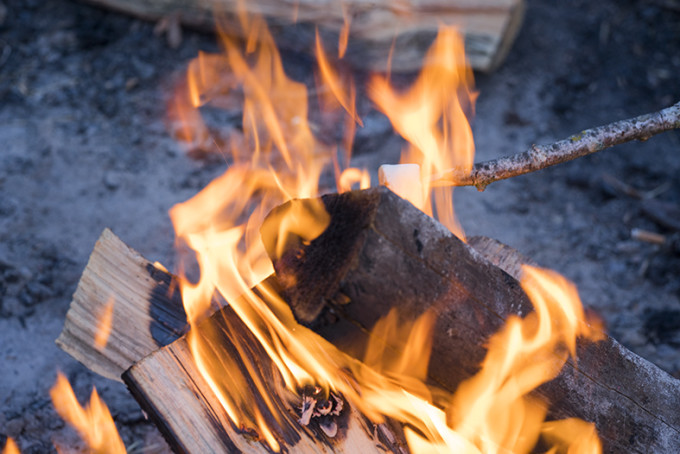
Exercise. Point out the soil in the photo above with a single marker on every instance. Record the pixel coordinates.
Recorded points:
(86, 145)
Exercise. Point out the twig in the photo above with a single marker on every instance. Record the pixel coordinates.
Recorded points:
(584, 143)
(625, 188)
(648, 237)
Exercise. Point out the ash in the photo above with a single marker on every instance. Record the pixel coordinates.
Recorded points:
(86, 145)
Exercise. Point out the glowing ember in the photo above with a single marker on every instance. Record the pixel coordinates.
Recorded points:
(10, 447)
(491, 412)
(93, 422)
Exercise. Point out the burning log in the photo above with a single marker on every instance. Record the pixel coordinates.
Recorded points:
(631, 401)
(172, 391)
(380, 252)
(148, 315)
(489, 26)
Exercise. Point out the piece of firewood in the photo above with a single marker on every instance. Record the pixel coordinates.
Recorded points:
(582, 144)
(147, 315)
(147, 309)
(489, 26)
(172, 391)
(380, 252)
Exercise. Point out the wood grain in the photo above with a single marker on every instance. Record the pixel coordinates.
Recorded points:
(170, 388)
(147, 309)
(489, 26)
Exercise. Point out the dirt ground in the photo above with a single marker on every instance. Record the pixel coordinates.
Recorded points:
(84, 145)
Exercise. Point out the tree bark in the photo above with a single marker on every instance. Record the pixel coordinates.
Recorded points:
(380, 252)
(582, 144)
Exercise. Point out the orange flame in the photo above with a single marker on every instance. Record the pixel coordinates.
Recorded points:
(431, 116)
(10, 447)
(572, 436)
(342, 93)
(343, 39)
(101, 336)
(93, 423)
(491, 411)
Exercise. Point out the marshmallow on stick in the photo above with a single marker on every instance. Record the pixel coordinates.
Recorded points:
(403, 180)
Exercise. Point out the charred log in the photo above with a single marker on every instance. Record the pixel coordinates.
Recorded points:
(169, 386)
(380, 252)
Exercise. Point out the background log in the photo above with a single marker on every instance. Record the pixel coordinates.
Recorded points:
(489, 26)
(381, 252)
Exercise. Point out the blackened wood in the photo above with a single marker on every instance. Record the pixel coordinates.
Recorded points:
(380, 252)
(170, 388)
(148, 314)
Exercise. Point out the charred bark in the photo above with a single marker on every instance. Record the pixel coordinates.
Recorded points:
(380, 252)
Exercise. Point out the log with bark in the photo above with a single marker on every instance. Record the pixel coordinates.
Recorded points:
(489, 26)
(380, 252)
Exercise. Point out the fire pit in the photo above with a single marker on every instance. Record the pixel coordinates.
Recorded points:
(311, 405)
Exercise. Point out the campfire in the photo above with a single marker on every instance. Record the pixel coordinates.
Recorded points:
(359, 318)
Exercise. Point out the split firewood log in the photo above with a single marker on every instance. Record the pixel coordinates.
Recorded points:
(170, 388)
(147, 310)
(380, 252)
(147, 349)
(489, 26)
(614, 382)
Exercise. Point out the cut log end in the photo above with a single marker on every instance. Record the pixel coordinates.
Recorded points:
(402, 258)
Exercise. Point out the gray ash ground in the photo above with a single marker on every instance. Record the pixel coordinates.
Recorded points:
(84, 145)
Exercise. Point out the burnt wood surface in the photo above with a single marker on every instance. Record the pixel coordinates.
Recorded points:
(380, 252)
(489, 26)
(148, 314)
(170, 388)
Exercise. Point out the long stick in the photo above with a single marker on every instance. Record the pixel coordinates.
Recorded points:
(584, 143)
